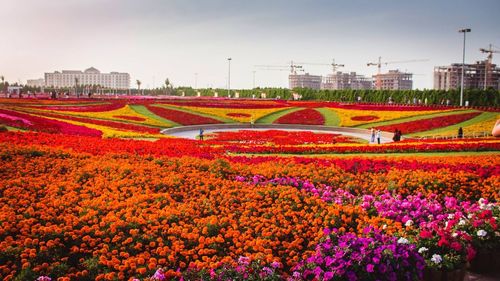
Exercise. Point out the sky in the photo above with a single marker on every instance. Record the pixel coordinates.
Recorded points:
(189, 41)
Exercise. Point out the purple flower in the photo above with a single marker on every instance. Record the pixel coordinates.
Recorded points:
(328, 275)
(370, 267)
(159, 275)
(275, 264)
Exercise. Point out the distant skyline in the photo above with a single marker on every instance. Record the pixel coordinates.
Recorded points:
(158, 39)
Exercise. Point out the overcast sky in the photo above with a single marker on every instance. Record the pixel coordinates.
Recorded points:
(156, 39)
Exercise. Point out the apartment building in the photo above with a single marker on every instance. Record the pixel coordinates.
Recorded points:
(393, 80)
(346, 80)
(304, 81)
(476, 76)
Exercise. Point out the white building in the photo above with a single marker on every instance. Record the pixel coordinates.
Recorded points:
(35, 83)
(90, 77)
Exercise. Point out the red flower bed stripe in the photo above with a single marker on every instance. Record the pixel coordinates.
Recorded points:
(429, 124)
(364, 118)
(111, 124)
(181, 117)
(99, 146)
(40, 124)
(306, 116)
(278, 137)
(114, 105)
(235, 114)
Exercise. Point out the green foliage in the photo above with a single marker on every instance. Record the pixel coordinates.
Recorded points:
(476, 97)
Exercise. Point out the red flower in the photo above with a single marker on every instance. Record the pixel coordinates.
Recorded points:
(456, 246)
(471, 253)
(425, 234)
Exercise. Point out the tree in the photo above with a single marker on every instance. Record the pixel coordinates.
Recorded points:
(138, 85)
(169, 88)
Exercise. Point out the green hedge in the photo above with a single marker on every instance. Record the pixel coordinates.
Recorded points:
(475, 97)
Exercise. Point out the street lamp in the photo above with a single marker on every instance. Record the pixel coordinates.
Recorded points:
(229, 78)
(464, 31)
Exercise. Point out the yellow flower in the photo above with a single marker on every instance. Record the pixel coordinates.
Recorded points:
(243, 115)
(345, 115)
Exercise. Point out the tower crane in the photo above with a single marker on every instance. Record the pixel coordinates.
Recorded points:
(333, 64)
(488, 63)
(379, 67)
(292, 67)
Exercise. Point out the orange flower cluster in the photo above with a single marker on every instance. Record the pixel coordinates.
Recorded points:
(89, 216)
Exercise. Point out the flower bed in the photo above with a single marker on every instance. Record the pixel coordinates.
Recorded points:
(429, 124)
(35, 123)
(181, 117)
(278, 137)
(111, 124)
(305, 116)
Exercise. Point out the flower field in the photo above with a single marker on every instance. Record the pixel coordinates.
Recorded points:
(128, 118)
(81, 200)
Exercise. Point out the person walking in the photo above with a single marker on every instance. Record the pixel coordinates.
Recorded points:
(378, 136)
(201, 133)
(460, 133)
(373, 135)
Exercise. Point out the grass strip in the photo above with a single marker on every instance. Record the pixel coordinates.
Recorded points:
(331, 117)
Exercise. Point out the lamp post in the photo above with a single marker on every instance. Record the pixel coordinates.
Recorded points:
(254, 79)
(464, 31)
(229, 77)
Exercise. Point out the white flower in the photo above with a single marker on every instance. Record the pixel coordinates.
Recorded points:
(446, 224)
(454, 234)
(408, 223)
(436, 259)
(451, 216)
(481, 233)
(422, 249)
(403, 241)
(469, 216)
(384, 226)
(461, 222)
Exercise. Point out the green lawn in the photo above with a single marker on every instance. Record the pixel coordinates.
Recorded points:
(331, 117)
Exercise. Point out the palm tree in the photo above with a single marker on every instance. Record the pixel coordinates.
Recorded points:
(138, 85)
(168, 87)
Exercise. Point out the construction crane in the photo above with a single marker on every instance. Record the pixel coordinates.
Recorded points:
(488, 63)
(379, 67)
(292, 67)
(333, 64)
